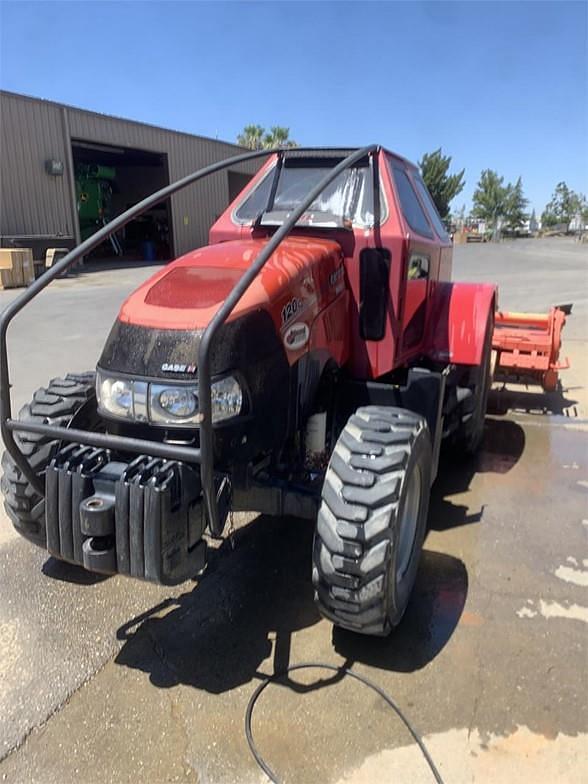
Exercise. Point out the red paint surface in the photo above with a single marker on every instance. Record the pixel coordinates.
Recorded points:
(457, 325)
(187, 293)
(193, 287)
(430, 317)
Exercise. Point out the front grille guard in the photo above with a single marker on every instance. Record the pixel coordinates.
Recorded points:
(204, 455)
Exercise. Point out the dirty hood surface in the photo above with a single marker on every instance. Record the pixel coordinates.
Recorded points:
(188, 292)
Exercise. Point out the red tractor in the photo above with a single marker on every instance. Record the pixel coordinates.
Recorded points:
(309, 361)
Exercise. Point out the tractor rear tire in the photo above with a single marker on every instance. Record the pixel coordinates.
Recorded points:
(469, 438)
(372, 520)
(57, 404)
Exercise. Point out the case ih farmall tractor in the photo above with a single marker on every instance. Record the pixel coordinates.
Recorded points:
(309, 361)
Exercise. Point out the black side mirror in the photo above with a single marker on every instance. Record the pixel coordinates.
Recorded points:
(374, 292)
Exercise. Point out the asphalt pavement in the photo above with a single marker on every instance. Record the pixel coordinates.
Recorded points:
(110, 680)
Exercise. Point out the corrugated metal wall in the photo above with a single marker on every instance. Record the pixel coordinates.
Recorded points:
(35, 203)
(31, 201)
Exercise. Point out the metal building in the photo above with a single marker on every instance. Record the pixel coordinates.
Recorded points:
(64, 171)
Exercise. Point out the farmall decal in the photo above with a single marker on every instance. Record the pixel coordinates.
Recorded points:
(296, 336)
(336, 279)
(336, 275)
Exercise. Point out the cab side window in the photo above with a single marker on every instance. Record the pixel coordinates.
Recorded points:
(257, 200)
(432, 209)
(409, 203)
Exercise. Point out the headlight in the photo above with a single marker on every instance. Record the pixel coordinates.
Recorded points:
(227, 399)
(178, 402)
(166, 404)
(115, 396)
(173, 405)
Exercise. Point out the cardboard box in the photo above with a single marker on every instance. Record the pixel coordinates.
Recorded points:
(7, 280)
(17, 267)
(5, 259)
(9, 257)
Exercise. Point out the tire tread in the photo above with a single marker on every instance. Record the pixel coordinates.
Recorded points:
(55, 404)
(353, 542)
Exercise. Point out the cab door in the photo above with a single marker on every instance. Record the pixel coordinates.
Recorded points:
(421, 262)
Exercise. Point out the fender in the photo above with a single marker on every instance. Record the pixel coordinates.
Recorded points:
(457, 324)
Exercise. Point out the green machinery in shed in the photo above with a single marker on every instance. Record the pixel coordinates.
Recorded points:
(94, 188)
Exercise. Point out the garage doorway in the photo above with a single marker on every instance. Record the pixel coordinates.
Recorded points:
(108, 181)
(237, 181)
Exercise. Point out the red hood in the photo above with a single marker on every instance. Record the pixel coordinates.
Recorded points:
(187, 293)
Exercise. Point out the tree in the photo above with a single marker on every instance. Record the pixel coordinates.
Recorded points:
(494, 201)
(490, 198)
(515, 206)
(549, 219)
(442, 186)
(255, 137)
(278, 137)
(565, 204)
(251, 137)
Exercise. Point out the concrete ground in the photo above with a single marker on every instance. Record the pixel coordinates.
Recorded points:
(108, 680)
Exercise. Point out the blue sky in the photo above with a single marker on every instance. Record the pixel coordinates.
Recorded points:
(497, 85)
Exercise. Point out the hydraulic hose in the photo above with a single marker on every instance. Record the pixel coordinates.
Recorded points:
(342, 670)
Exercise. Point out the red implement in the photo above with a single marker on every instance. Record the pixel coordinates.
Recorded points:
(527, 345)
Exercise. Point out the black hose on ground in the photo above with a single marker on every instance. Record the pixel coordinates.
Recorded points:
(342, 670)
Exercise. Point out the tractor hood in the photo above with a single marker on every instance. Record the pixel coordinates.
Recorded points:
(160, 325)
(187, 293)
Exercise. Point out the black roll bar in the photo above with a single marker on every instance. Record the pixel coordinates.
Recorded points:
(204, 455)
(219, 318)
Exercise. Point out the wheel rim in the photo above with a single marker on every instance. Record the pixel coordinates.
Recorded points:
(409, 522)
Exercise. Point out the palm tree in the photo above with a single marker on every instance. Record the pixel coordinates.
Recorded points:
(252, 137)
(278, 136)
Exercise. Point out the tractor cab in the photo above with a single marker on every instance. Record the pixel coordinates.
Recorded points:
(393, 244)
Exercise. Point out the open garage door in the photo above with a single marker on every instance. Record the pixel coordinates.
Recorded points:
(237, 181)
(109, 180)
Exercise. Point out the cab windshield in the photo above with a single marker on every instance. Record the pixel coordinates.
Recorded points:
(347, 201)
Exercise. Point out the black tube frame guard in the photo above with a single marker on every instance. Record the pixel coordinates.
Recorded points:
(204, 455)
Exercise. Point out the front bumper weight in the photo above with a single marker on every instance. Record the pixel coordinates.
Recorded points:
(142, 518)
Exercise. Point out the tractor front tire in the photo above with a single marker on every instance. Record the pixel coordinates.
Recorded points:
(60, 403)
(372, 519)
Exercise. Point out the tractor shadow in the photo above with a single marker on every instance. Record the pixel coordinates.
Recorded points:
(257, 596)
(503, 447)
(215, 635)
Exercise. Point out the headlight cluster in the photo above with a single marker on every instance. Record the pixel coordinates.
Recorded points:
(165, 404)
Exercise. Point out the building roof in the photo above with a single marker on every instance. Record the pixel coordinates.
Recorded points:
(116, 117)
